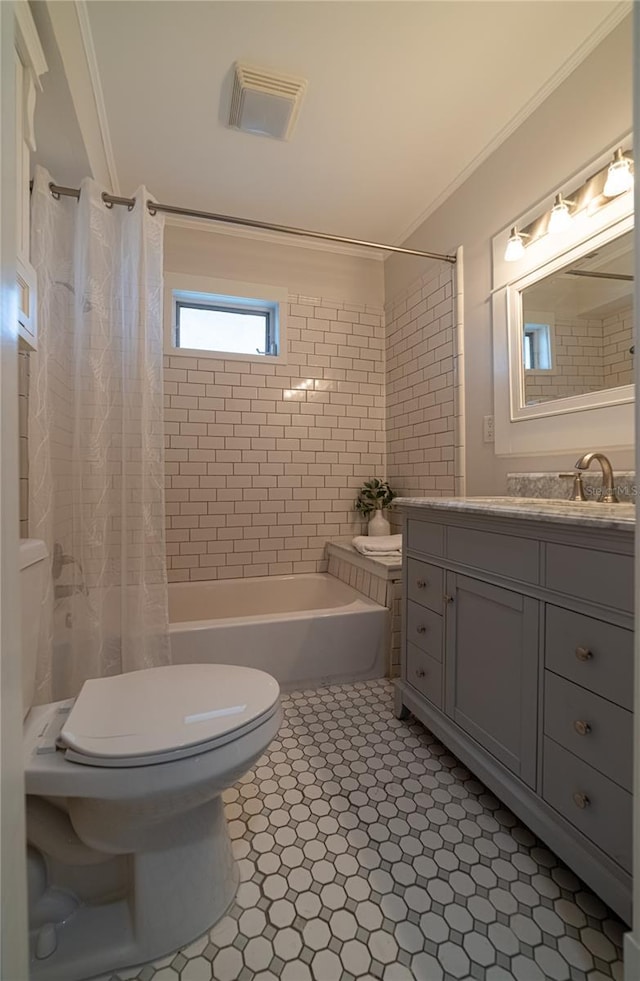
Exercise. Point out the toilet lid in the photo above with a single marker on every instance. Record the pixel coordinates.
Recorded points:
(157, 714)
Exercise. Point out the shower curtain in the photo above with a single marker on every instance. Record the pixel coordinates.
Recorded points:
(95, 437)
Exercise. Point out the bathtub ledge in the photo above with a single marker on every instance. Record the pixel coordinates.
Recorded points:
(384, 566)
(378, 578)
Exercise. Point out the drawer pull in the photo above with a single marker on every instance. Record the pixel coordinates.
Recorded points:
(421, 583)
(583, 654)
(582, 728)
(421, 628)
(447, 598)
(581, 801)
(421, 672)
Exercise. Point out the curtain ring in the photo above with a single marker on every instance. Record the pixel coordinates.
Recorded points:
(54, 193)
(105, 196)
(151, 208)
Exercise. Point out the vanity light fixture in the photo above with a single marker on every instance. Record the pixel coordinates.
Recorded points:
(599, 190)
(619, 176)
(515, 245)
(560, 217)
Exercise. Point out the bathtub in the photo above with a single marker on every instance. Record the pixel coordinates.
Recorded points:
(305, 630)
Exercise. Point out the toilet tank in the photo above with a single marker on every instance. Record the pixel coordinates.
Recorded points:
(34, 569)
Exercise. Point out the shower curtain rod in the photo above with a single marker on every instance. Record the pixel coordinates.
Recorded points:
(171, 209)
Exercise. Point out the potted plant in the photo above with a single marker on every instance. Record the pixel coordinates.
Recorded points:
(374, 497)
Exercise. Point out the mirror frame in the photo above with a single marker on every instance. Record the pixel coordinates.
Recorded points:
(559, 426)
(518, 409)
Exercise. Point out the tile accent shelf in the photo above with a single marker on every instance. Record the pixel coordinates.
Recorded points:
(518, 655)
(380, 579)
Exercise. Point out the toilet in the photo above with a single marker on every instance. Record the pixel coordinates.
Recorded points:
(129, 856)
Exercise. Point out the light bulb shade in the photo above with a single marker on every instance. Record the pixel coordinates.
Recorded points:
(619, 178)
(560, 217)
(515, 247)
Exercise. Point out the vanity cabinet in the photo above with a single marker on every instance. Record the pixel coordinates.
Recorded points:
(492, 633)
(518, 655)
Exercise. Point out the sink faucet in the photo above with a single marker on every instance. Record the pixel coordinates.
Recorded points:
(608, 494)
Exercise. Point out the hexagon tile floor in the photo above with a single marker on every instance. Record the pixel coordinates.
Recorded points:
(367, 851)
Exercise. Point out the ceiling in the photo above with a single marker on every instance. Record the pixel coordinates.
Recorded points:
(404, 99)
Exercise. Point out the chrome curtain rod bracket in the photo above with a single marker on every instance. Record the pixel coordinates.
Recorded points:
(154, 208)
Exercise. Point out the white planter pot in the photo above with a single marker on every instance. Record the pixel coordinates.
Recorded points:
(378, 524)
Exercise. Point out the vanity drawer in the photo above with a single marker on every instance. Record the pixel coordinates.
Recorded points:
(425, 674)
(425, 536)
(600, 577)
(425, 584)
(605, 817)
(505, 555)
(424, 629)
(594, 654)
(596, 730)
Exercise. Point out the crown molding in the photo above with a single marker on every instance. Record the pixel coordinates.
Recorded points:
(65, 20)
(619, 11)
(276, 238)
(28, 42)
(84, 23)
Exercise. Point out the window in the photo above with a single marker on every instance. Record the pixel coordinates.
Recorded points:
(537, 347)
(213, 318)
(216, 325)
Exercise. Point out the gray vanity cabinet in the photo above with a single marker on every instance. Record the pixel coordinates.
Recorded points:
(491, 681)
(518, 655)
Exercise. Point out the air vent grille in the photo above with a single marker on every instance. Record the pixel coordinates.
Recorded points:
(265, 103)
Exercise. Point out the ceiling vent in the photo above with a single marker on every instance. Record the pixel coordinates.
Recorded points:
(265, 103)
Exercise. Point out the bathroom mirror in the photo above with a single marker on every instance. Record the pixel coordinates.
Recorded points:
(562, 324)
(569, 328)
(576, 326)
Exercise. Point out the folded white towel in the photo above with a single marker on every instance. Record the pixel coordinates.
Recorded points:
(378, 544)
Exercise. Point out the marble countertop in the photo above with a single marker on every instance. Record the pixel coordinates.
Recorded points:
(619, 517)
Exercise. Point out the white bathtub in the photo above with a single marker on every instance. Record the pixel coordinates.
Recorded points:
(304, 630)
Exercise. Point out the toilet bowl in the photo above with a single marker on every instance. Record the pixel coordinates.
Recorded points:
(129, 853)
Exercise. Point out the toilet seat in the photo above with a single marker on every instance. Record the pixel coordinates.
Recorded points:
(158, 715)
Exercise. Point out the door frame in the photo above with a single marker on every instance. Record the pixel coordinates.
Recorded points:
(13, 904)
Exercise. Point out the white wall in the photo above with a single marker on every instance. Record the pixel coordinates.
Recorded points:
(589, 111)
(299, 268)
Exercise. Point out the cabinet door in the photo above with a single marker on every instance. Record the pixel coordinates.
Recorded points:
(492, 670)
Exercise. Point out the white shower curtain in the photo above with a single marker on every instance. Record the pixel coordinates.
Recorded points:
(96, 463)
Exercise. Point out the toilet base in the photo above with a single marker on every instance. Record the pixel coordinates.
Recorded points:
(176, 894)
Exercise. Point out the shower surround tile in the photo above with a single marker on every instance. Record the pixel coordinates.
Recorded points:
(421, 388)
(264, 461)
(367, 851)
(378, 577)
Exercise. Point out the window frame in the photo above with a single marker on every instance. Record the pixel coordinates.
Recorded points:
(541, 333)
(203, 292)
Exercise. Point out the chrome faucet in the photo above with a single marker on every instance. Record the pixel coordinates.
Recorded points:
(608, 495)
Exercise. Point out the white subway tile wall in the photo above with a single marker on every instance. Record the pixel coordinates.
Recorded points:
(590, 355)
(421, 429)
(264, 461)
(616, 348)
